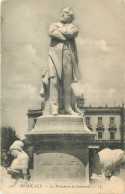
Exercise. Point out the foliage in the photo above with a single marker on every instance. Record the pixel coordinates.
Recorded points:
(8, 136)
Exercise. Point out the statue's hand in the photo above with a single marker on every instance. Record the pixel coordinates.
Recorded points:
(13, 171)
(55, 33)
(62, 30)
(8, 169)
(70, 31)
(42, 92)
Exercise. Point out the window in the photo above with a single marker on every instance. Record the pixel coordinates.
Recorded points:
(99, 120)
(100, 135)
(88, 121)
(112, 135)
(112, 120)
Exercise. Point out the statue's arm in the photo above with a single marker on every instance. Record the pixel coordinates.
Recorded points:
(25, 162)
(24, 172)
(71, 32)
(24, 165)
(55, 33)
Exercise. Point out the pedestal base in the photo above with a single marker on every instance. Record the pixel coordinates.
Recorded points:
(61, 166)
(61, 151)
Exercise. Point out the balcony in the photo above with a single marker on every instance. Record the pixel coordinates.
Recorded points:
(100, 127)
(112, 126)
(90, 127)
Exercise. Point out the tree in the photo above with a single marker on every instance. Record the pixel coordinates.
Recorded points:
(8, 136)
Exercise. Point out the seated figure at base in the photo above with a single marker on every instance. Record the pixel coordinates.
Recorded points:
(106, 166)
(19, 166)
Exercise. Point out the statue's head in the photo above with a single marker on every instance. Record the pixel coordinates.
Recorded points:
(18, 143)
(14, 153)
(67, 15)
(15, 150)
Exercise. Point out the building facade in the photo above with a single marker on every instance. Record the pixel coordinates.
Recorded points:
(107, 122)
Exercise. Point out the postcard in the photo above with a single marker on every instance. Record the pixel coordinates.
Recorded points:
(62, 96)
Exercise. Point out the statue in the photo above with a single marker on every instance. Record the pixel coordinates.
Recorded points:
(63, 66)
(106, 166)
(19, 166)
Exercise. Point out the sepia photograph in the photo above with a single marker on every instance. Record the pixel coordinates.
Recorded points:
(62, 97)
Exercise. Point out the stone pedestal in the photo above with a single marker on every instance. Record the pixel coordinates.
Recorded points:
(61, 152)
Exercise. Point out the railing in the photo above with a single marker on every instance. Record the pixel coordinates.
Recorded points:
(89, 126)
(100, 125)
(112, 125)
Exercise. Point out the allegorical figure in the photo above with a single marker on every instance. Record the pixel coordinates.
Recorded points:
(106, 166)
(19, 166)
(63, 63)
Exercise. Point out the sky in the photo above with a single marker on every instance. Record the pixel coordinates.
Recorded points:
(25, 47)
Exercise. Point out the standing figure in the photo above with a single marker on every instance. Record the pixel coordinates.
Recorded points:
(63, 62)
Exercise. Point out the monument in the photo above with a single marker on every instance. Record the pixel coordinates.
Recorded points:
(60, 137)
